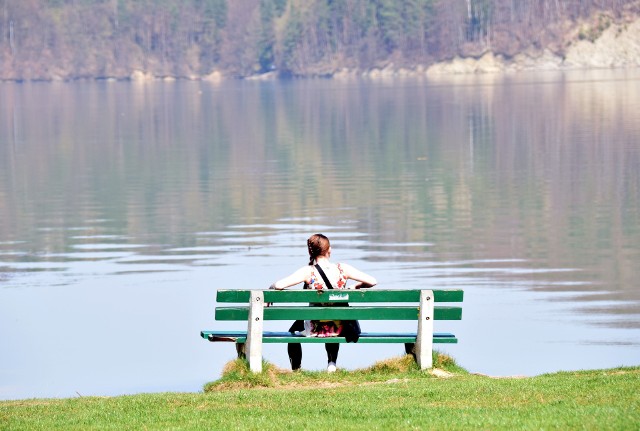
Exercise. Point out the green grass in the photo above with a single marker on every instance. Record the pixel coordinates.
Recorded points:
(392, 394)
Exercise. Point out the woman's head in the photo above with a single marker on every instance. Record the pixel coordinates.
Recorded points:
(318, 245)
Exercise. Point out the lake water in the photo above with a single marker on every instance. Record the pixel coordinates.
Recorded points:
(124, 206)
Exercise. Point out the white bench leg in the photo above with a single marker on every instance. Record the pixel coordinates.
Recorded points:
(254, 331)
(424, 340)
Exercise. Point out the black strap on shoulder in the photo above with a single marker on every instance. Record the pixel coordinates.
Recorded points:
(324, 277)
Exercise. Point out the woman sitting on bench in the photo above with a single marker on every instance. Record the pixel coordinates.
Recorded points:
(322, 274)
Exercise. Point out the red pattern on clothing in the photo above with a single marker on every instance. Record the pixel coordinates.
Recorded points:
(325, 328)
(317, 283)
(342, 281)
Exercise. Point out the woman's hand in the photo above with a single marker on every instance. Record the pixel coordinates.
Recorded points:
(362, 285)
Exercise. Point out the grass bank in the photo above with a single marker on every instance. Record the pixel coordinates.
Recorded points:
(390, 395)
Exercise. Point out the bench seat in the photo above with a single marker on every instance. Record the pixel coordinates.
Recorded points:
(287, 337)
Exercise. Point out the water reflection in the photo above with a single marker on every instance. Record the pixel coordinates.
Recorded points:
(523, 188)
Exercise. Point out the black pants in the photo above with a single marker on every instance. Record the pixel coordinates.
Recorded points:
(295, 353)
(295, 349)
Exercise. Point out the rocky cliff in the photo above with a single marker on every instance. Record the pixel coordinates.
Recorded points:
(617, 46)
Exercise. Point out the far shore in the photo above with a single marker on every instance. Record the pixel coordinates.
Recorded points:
(616, 48)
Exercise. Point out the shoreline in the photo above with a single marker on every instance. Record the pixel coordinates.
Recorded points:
(483, 67)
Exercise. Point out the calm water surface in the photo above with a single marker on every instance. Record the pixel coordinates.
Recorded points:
(124, 206)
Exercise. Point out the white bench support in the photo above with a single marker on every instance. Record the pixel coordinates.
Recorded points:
(424, 340)
(254, 331)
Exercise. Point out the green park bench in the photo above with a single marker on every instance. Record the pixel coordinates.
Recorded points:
(371, 304)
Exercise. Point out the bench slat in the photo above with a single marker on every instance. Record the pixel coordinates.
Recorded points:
(350, 295)
(338, 313)
(287, 337)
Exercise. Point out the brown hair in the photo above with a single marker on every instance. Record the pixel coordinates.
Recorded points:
(318, 245)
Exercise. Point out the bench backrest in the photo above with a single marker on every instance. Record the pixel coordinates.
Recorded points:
(370, 304)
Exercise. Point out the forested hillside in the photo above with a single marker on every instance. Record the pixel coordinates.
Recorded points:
(70, 39)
